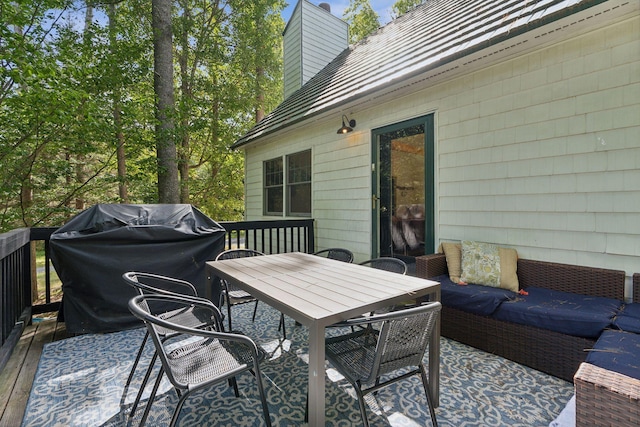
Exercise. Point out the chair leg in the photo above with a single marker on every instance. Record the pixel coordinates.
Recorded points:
(425, 384)
(281, 326)
(233, 383)
(255, 310)
(144, 384)
(176, 412)
(156, 385)
(263, 396)
(133, 368)
(229, 314)
(361, 404)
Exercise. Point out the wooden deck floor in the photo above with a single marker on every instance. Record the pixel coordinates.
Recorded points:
(17, 376)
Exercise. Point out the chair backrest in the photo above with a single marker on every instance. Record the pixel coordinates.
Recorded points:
(154, 284)
(238, 253)
(403, 338)
(387, 263)
(339, 254)
(148, 283)
(159, 327)
(233, 254)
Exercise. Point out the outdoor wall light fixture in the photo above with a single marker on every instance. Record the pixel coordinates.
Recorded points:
(347, 125)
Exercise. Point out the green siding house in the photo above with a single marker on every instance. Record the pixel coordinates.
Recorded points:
(503, 121)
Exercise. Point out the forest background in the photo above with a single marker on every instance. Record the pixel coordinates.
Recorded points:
(137, 101)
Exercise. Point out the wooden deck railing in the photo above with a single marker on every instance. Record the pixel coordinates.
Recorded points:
(271, 237)
(18, 267)
(15, 291)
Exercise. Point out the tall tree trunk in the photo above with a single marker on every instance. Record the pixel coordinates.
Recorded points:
(67, 176)
(81, 167)
(123, 192)
(168, 186)
(258, 18)
(187, 97)
(259, 94)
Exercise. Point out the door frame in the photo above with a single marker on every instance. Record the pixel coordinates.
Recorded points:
(429, 180)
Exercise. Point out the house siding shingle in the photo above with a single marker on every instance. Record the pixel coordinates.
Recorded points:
(539, 152)
(571, 151)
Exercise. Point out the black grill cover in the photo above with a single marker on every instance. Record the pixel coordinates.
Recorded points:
(92, 251)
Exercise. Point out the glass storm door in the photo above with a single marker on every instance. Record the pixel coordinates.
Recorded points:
(402, 182)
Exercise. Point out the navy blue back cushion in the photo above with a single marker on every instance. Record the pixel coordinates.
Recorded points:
(629, 318)
(475, 299)
(564, 312)
(617, 351)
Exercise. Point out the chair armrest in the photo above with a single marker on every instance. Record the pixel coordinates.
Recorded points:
(235, 337)
(606, 398)
(197, 303)
(376, 318)
(138, 280)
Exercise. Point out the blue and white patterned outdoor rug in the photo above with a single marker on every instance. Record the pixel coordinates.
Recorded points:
(80, 382)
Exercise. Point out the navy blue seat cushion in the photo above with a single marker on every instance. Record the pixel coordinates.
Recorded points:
(617, 351)
(564, 312)
(475, 299)
(628, 319)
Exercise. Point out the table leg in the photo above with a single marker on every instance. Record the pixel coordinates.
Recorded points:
(434, 358)
(316, 375)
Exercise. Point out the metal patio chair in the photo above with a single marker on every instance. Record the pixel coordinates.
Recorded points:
(387, 263)
(231, 295)
(339, 254)
(365, 356)
(152, 284)
(195, 358)
(394, 265)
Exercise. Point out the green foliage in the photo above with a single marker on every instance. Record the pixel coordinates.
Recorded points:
(400, 7)
(362, 20)
(63, 81)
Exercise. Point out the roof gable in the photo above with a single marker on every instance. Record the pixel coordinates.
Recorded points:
(430, 36)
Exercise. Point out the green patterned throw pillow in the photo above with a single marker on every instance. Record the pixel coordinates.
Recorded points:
(480, 263)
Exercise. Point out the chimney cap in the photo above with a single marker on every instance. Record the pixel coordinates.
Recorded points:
(325, 6)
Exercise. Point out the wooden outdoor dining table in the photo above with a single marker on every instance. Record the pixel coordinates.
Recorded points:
(318, 292)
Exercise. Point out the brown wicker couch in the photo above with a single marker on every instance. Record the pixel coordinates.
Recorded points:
(607, 398)
(548, 351)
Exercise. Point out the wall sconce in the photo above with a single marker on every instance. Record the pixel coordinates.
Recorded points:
(346, 128)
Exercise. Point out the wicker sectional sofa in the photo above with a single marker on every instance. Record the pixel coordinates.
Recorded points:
(555, 353)
(605, 397)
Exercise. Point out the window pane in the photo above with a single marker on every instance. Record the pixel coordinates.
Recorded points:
(274, 200)
(300, 199)
(299, 167)
(273, 190)
(299, 184)
(273, 172)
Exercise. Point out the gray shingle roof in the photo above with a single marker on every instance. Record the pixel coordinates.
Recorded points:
(429, 36)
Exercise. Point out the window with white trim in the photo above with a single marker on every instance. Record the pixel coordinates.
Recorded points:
(273, 180)
(299, 184)
(297, 198)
